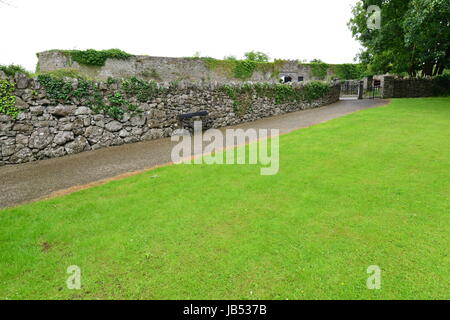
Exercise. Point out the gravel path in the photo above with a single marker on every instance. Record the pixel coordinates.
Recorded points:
(34, 180)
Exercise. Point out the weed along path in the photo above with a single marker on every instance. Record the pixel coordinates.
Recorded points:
(30, 181)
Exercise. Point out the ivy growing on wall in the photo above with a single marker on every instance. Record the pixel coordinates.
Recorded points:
(243, 69)
(233, 68)
(319, 69)
(119, 96)
(281, 93)
(315, 90)
(93, 57)
(8, 99)
(115, 106)
(345, 71)
(58, 90)
(241, 98)
(142, 90)
(88, 93)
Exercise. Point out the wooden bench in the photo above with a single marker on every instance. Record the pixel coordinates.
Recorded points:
(186, 119)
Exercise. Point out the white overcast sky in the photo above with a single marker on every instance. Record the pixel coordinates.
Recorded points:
(290, 29)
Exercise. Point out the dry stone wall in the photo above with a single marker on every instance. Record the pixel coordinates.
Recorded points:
(394, 87)
(45, 130)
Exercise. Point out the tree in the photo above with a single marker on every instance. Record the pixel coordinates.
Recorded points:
(427, 31)
(348, 71)
(414, 36)
(256, 56)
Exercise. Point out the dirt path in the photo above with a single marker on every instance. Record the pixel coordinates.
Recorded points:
(29, 181)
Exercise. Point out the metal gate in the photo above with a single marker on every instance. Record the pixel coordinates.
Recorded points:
(373, 93)
(372, 89)
(355, 89)
(350, 89)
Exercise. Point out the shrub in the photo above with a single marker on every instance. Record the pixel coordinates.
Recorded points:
(315, 90)
(12, 69)
(256, 56)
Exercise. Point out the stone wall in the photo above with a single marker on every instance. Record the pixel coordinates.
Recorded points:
(411, 88)
(164, 69)
(44, 130)
(386, 85)
(393, 87)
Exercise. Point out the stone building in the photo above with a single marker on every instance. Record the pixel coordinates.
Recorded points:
(164, 69)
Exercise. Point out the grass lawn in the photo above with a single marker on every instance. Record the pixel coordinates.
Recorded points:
(370, 188)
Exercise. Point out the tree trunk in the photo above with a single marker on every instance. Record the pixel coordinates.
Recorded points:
(436, 69)
(441, 69)
(427, 69)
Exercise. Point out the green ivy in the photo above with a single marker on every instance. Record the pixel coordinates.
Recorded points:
(111, 81)
(241, 96)
(142, 90)
(315, 90)
(116, 102)
(58, 90)
(230, 91)
(88, 93)
(8, 99)
(244, 69)
(319, 69)
(97, 103)
(281, 93)
(241, 69)
(93, 57)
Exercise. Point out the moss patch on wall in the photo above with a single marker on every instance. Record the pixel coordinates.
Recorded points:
(241, 69)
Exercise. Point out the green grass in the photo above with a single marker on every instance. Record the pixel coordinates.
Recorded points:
(370, 188)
